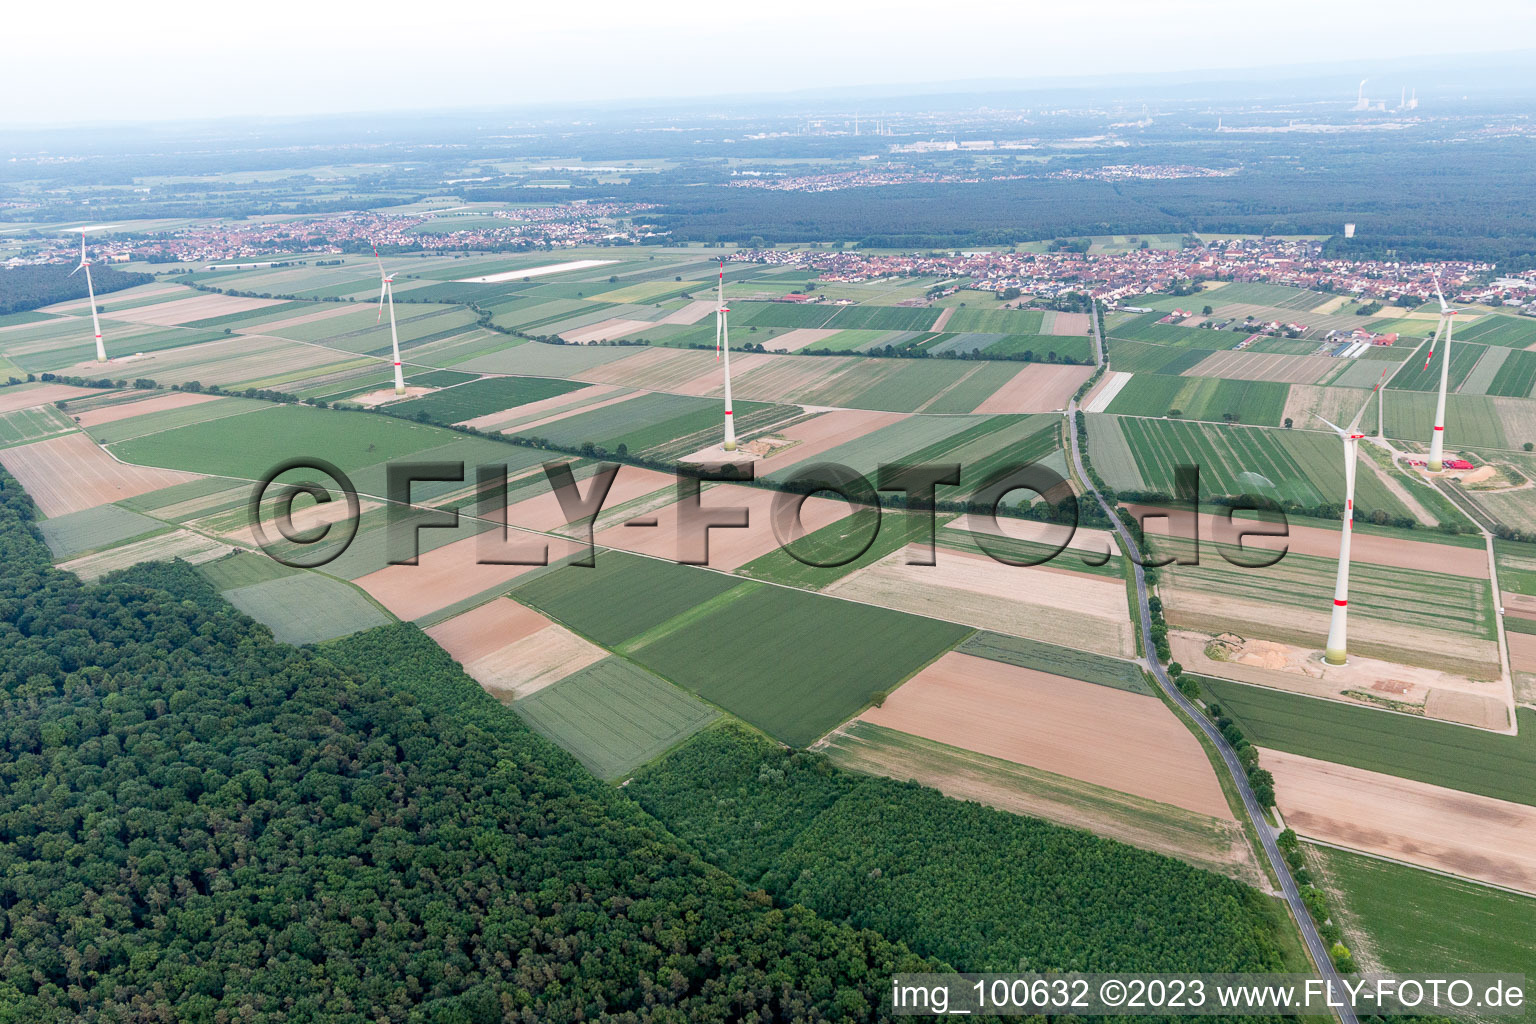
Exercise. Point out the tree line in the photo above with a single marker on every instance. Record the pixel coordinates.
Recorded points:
(32, 287)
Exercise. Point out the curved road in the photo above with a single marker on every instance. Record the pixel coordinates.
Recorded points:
(1266, 832)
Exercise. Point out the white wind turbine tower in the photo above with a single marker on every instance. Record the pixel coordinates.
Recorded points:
(723, 346)
(1437, 439)
(387, 292)
(85, 265)
(1335, 651)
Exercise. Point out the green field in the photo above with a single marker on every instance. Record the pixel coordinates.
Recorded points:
(1039, 347)
(1257, 294)
(623, 596)
(1059, 661)
(1260, 403)
(93, 528)
(250, 444)
(804, 664)
(1416, 921)
(1145, 327)
(1140, 357)
(1471, 420)
(615, 716)
(307, 608)
(482, 397)
(995, 321)
(1495, 765)
(1516, 377)
(836, 541)
(1458, 606)
(1289, 465)
(654, 422)
(243, 569)
(1493, 329)
(787, 315)
(172, 419)
(23, 426)
(1414, 375)
(885, 318)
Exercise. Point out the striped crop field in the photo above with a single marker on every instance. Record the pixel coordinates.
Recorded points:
(1413, 375)
(1261, 403)
(1296, 465)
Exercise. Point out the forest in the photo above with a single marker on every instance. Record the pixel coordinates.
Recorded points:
(199, 824)
(979, 888)
(32, 287)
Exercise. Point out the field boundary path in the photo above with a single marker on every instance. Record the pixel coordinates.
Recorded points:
(1316, 948)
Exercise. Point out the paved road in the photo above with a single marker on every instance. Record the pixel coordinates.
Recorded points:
(1316, 947)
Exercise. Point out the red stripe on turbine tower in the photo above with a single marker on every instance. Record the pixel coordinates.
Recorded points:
(1341, 604)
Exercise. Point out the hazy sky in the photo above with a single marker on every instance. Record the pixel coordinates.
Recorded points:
(150, 61)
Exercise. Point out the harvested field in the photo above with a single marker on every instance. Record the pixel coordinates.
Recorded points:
(234, 360)
(1064, 324)
(711, 381)
(820, 434)
(1122, 741)
(726, 548)
(1105, 392)
(277, 326)
(513, 651)
(794, 341)
(789, 379)
(449, 574)
(1035, 602)
(692, 313)
(14, 398)
(526, 427)
(1213, 610)
(1445, 829)
(1263, 366)
(1522, 651)
(152, 402)
(70, 473)
(605, 330)
(1083, 538)
(1216, 844)
(183, 544)
(1323, 543)
(1037, 387)
(198, 307)
(542, 512)
(519, 274)
(1364, 681)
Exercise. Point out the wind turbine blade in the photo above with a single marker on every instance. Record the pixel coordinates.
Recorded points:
(77, 270)
(378, 260)
(1439, 330)
(382, 289)
(1439, 294)
(1354, 424)
(1336, 428)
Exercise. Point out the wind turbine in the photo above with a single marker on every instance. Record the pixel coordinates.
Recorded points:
(1334, 652)
(387, 291)
(723, 346)
(1437, 439)
(85, 265)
